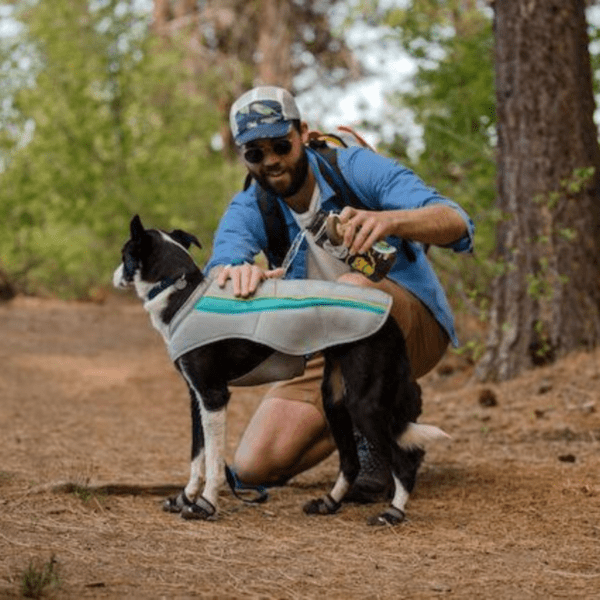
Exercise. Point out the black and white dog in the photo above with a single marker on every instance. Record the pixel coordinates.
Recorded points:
(366, 384)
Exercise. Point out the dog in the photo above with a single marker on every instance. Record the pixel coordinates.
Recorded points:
(366, 384)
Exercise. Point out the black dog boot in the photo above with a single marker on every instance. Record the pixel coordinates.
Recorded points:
(374, 482)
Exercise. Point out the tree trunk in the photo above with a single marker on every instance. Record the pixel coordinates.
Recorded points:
(546, 302)
(184, 8)
(161, 14)
(274, 44)
(7, 289)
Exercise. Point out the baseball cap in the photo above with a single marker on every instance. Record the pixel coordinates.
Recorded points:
(263, 112)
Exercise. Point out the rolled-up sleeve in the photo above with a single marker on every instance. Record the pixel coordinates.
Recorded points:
(384, 184)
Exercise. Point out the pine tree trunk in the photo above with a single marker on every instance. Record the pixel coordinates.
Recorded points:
(7, 289)
(546, 302)
(161, 14)
(274, 44)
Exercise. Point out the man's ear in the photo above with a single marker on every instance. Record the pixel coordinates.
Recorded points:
(304, 132)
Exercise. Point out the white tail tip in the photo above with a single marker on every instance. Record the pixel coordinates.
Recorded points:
(417, 434)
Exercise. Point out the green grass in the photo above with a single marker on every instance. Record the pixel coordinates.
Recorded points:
(36, 578)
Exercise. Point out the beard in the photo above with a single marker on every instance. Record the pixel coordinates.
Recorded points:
(298, 177)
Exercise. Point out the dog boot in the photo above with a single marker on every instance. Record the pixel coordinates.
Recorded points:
(374, 482)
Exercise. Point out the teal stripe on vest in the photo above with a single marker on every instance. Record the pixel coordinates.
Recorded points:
(214, 304)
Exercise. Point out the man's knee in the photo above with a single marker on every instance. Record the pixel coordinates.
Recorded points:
(279, 434)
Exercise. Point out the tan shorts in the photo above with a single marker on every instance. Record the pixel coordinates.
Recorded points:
(426, 342)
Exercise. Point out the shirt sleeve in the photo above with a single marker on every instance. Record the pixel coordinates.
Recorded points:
(384, 184)
(240, 235)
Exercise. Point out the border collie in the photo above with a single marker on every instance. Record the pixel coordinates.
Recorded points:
(366, 384)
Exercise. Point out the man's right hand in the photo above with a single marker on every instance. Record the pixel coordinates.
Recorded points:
(246, 278)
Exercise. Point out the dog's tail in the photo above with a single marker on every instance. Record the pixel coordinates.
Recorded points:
(417, 434)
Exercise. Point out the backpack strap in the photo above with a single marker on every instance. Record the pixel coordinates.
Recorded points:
(278, 238)
(344, 194)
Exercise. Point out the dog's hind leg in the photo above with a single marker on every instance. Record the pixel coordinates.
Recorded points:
(407, 456)
(340, 424)
(405, 464)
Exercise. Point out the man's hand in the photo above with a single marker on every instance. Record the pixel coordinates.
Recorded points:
(246, 278)
(362, 228)
(437, 224)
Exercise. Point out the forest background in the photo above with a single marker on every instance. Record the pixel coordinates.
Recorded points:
(110, 108)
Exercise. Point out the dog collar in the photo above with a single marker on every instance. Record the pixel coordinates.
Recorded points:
(179, 284)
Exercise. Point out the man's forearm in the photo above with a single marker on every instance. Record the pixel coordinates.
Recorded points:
(437, 225)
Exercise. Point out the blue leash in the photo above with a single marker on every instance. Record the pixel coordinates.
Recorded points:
(251, 494)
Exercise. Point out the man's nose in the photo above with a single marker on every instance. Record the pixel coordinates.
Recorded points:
(271, 157)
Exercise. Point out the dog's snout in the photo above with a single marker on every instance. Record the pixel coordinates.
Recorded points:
(119, 278)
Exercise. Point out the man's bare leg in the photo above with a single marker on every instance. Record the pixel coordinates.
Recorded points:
(283, 438)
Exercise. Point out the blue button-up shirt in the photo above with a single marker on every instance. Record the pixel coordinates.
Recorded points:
(381, 184)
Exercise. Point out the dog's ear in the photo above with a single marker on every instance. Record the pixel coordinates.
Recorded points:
(136, 228)
(184, 238)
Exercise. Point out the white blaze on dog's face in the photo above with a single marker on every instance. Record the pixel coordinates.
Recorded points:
(127, 274)
(118, 278)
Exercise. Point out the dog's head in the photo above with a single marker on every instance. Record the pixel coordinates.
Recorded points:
(152, 257)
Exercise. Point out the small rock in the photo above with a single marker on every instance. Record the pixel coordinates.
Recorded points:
(440, 587)
(445, 370)
(487, 398)
(568, 458)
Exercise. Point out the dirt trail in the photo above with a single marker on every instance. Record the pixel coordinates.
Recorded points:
(94, 429)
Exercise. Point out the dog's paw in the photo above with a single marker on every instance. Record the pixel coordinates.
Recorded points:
(201, 510)
(391, 516)
(325, 505)
(175, 504)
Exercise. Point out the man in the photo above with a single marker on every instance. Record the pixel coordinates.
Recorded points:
(289, 433)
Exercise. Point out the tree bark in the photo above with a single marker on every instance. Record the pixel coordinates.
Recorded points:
(7, 289)
(546, 301)
(274, 44)
(161, 13)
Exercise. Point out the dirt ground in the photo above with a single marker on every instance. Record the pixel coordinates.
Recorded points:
(94, 432)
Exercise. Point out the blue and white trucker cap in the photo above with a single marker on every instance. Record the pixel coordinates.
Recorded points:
(263, 112)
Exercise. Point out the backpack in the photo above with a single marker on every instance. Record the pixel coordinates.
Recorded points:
(278, 241)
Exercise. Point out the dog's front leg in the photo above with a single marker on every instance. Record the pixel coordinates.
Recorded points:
(214, 424)
(197, 464)
(176, 504)
(211, 403)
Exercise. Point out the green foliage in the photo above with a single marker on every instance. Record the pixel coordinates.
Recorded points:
(578, 180)
(85, 493)
(35, 579)
(120, 128)
(542, 284)
(453, 99)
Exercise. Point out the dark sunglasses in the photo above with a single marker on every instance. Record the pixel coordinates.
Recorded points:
(256, 155)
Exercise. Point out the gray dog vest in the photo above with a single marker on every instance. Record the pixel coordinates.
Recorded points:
(294, 317)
